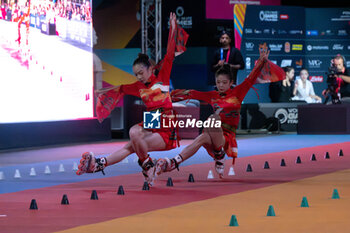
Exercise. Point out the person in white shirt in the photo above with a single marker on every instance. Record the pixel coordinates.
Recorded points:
(304, 90)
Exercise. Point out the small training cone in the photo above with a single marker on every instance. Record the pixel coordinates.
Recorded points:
(47, 170)
(191, 178)
(75, 166)
(61, 168)
(125, 160)
(270, 211)
(283, 163)
(94, 195)
(327, 155)
(304, 202)
(33, 205)
(249, 168)
(210, 175)
(313, 157)
(145, 186)
(231, 172)
(169, 182)
(121, 190)
(335, 194)
(266, 165)
(233, 221)
(298, 160)
(2, 176)
(32, 172)
(341, 153)
(65, 200)
(17, 174)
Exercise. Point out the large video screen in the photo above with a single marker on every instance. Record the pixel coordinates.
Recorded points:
(46, 61)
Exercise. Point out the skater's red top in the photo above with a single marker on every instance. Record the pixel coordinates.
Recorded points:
(231, 100)
(155, 93)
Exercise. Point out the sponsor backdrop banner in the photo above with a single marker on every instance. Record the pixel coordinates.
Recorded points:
(283, 30)
(297, 37)
(327, 34)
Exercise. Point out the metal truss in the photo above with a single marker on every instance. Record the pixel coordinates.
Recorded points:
(151, 28)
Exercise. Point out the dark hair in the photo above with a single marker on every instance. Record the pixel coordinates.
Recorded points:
(287, 69)
(225, 32)
(225, 70)
(142, 59)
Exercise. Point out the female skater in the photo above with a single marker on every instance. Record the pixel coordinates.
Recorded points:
(154, 91)
(226, 102)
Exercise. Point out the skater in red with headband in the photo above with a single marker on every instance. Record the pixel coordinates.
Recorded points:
(226, 102)
(154, 92)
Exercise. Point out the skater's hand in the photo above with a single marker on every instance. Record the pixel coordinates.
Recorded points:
(264, 51)
(179, 95)
(100, 91)
(172, 20)
(104, 90)
(217, 112)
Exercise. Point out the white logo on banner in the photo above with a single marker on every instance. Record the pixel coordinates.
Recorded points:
(270, 16)
(286, 62)
(180, 11)
(249, 46)
(315, 63)
(248, 63)
(275, 47)
(338, 47)
(289, 116)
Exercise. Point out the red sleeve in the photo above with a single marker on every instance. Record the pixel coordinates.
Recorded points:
(243, 88)
(199, 95)
(106, 102)
(131, 89)
(167, 62)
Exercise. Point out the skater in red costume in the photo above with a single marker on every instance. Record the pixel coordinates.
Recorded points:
(154, 92)
(23, 19)
(226, 102)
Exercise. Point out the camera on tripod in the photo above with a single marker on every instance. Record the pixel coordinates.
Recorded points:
(333, 85)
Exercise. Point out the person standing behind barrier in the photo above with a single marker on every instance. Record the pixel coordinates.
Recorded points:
(304, 90)
(227, 55)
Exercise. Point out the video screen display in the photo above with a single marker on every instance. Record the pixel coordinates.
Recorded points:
(46, 60)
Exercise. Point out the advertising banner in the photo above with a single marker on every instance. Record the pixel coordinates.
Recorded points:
(297, 37)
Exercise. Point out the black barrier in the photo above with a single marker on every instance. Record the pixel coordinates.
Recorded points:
(75, 31)
(48, 28)
(324, 119)
(258, 116)
(21, 135)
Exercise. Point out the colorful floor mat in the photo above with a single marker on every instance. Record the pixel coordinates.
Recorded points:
(212, 201)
